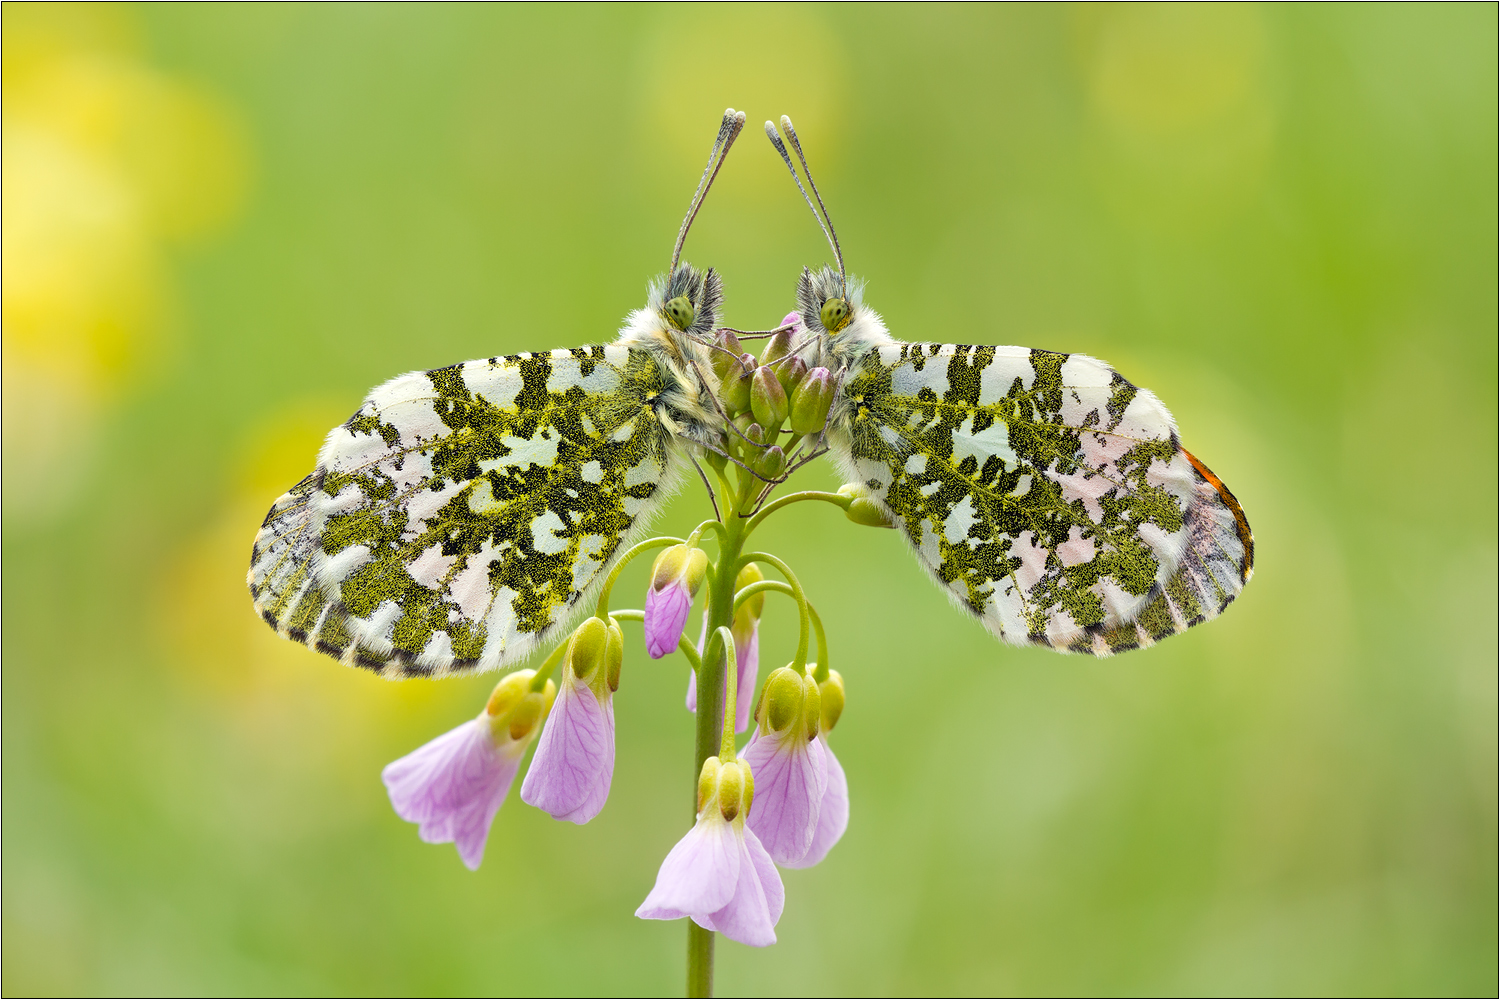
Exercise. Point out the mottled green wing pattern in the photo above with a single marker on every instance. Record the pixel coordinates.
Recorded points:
(457, 517)
(1047, 494)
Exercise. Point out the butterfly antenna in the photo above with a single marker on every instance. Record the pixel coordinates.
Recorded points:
(824, 220)
(729, 130)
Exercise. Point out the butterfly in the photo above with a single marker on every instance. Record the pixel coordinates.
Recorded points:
(1045, 493)
(456, 519)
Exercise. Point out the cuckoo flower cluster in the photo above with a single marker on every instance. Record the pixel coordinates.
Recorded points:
(781, 798)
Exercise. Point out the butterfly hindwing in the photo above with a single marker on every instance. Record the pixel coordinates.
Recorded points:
(456, 519)
(1046, 493)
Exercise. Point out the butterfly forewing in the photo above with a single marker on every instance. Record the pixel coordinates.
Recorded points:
(1048, 494)
(454, 521)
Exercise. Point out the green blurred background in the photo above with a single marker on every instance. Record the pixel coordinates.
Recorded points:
(223, 224)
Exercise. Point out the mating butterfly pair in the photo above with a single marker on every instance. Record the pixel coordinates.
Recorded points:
(462, 514)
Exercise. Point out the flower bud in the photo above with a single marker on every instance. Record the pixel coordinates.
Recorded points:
(587, 648)
(832, 691)
(675, 579)
(783, 698)
(790, 374)
(731, 790)
(751, 610)
(812, 705)
(708, 782)
(754, 434)
(864, 510)
(516, 710)
(728, 354)
(772, 463)
(614, 655)
(679, 563)
(716, 461)
(778, 347)
(735, 383)
(767, 400)
(812, 401)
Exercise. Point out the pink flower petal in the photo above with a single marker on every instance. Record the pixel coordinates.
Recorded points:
(574, 762)
(833, 814)
(750, 915)
(770, 878)
(453, 786)
(791, 775)
(699, 875)
(665, 615)
(748, 655)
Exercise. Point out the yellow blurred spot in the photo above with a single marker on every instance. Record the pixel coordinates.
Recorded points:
(1186, 127)
(106, 163)
(766, 61)
(223, 651)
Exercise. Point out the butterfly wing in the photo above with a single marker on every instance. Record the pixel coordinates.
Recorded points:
(456, 519)
(1047, 494)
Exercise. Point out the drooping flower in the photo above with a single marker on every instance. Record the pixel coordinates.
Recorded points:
(833, 811)
(790, 765)
(453, 786)
(574, 763)
(675, 579)
(746, 631)
(719, 875)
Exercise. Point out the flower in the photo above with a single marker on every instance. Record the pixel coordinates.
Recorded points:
(575, 758)
(833, 810)
(453, 786)
(675, 578)
(746, 631)
(790, 764)
(719, 875)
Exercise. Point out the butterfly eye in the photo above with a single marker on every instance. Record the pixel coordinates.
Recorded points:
(835, 314)
(679, 312)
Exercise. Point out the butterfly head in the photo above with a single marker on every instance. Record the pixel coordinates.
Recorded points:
(827, 304)
(833, 311)
(688, 301)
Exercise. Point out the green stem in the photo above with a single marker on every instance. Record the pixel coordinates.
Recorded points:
(602, 610)
(711, 696)
(837, 499)
(539, 682)
(765, 557)
(684, 646)
(777, 587)
(731, 669)
(700, 961)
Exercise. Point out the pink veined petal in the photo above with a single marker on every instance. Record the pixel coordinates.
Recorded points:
(746, 918)
(665, 615)
(574, 762)
(692, 695)
(791, 775)
(833, 815)
(698, 875)
(770, 878)
(453, 786)
(748, 655)
(593, 804)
